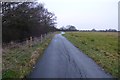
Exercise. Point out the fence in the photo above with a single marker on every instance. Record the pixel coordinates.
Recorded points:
(28, 42)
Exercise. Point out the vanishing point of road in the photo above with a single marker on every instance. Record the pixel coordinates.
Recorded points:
(63, 60)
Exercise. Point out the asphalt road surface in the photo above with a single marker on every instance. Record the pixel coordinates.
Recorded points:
(63, 60)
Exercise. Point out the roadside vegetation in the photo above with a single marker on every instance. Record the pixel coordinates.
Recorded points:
(19, 61)
(22, 22)
(100, 46)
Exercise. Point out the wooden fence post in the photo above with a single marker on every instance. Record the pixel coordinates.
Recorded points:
(27, 42)
(41, 38)
(45, 36)
(31, 42)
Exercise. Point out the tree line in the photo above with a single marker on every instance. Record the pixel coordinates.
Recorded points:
(20, 20)
(68, 28)
(94, 30)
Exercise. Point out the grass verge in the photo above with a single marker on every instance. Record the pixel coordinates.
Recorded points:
(19, 61)
(100, 46)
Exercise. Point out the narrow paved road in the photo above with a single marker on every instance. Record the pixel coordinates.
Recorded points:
(63, 60)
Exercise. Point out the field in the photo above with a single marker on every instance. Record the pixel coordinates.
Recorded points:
(102, 47)
(17, 62)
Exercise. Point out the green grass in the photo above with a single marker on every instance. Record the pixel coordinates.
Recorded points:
(19, 61)
(100, 46)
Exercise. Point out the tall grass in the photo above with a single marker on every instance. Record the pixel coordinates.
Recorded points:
(19, 59)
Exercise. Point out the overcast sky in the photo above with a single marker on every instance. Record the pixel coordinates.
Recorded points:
(85, 14)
